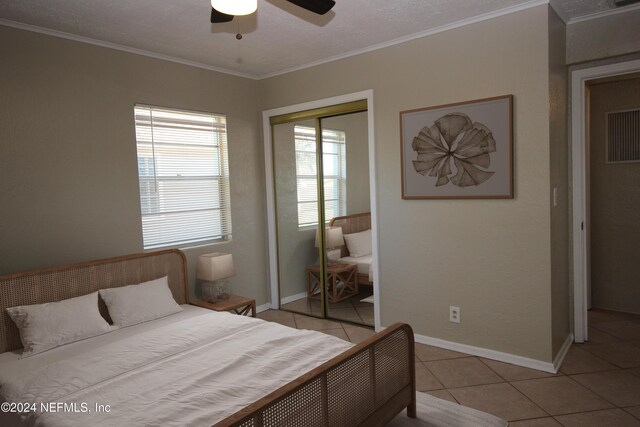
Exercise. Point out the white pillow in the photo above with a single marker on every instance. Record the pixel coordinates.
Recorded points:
(46, 326)
(358, 244)
(135, 304)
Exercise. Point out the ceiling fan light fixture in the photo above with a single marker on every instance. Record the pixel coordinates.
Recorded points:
(235, 7)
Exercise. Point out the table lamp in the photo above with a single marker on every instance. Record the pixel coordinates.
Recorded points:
(334, 239)
(214, 268)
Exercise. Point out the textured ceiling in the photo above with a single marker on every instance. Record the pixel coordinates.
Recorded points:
(279, 37)
(578, 8)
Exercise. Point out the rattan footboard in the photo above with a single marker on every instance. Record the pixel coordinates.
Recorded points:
(368, 385)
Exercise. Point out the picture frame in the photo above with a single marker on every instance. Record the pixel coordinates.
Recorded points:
(462, 150)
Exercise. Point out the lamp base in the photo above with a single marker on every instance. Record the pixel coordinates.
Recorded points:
(215, 291)
(222, 297)
(333, 255)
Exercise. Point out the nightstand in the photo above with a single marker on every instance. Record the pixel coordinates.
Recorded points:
(235, 303)
(342, 281)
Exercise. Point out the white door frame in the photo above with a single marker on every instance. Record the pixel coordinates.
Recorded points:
(579, 79)
(271, 207)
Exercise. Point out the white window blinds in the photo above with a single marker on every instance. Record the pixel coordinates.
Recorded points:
(335, 174)
(184, 177)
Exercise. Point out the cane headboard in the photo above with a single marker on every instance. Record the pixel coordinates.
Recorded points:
(351, 224)
(68, 281)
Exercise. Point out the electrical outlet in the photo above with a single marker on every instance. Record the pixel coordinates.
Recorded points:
(454, 314)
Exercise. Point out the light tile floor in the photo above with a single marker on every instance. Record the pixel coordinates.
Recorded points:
(350, 310)
(598, 383)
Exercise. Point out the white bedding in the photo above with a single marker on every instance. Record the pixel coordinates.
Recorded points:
(191, 368)
(363, 263)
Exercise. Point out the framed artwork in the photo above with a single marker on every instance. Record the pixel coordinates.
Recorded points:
(458, 151)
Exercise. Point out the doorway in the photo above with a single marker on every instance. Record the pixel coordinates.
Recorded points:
(580, 182)
(614, 171)
(320, 170)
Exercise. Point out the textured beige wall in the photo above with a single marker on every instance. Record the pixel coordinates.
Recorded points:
(489, 257)
(559, 147)
(615, 206)
(68, 169)
(605, 37)
(67, 140)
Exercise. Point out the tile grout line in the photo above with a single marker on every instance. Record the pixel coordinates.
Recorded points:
(516, 389)
(595, 392)
(634, 416)
(343, 327)
(529, 399)
(434, 376)
(492, 370)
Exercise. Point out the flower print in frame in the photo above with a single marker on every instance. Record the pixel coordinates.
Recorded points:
(458, 151)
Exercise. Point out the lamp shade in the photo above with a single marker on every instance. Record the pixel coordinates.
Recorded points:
(333, 237)
(235, 7)
(215, 266)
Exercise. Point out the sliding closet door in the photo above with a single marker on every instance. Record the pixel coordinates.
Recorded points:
(296, 168)
(345, 162)
(321, 172)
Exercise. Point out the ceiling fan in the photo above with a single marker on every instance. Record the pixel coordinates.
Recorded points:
(225, 10)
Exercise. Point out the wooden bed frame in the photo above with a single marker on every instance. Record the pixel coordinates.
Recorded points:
(368, 385)
(353, 224)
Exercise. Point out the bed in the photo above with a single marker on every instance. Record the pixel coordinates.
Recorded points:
(195, 367)
(351, 224)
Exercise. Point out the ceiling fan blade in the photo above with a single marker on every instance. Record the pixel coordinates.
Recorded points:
(217, 17)
(316, 6)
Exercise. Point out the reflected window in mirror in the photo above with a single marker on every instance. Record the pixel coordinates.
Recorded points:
(335, 174)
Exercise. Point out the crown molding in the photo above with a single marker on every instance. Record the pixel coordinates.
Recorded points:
(457, 24)
(555, 5)
(414, 36)
(604, 13)
(120, 47)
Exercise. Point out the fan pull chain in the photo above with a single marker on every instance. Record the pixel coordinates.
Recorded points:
(238, 35)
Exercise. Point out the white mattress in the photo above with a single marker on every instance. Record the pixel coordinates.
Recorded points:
(192, 368)
(363, 263)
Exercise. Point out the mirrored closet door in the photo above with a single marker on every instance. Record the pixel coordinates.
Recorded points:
(321, 181)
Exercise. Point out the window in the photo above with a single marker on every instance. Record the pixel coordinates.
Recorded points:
(184, 177)
(335, 174)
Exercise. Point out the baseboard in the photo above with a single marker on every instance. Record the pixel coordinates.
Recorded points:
(493, 354)
(263, 307)
(287, 300)
(557, 361)
(293, 298)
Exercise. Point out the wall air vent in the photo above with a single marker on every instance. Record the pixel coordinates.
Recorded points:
(623, 136)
